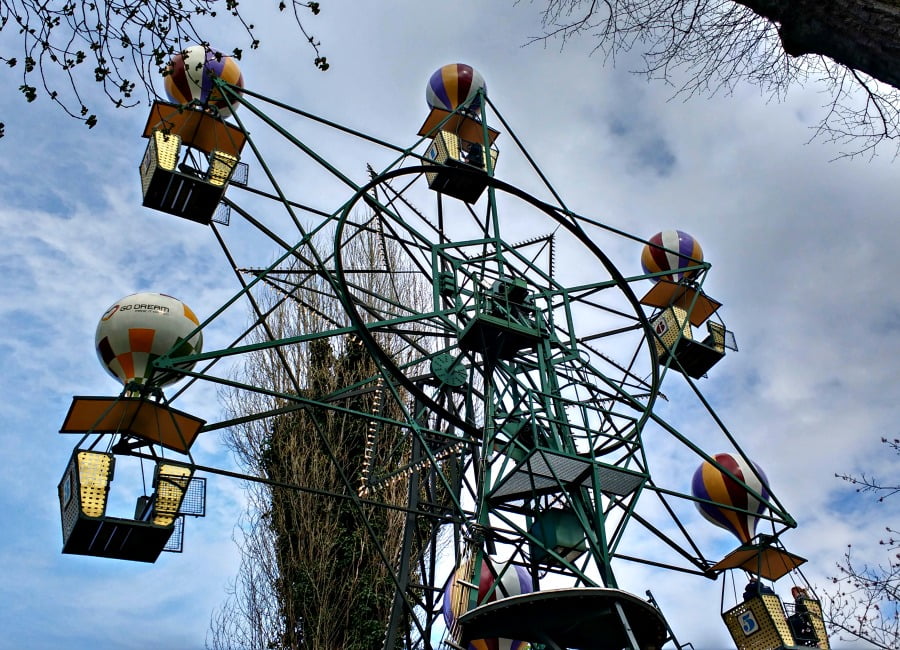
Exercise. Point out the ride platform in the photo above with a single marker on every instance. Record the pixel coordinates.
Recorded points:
(587, 618)
(544, 471)
(497, 336)
(504, 323)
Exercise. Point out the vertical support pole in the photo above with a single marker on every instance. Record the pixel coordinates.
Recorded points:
(401, 605)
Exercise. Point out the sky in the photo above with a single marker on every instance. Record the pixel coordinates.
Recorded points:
(801, 242)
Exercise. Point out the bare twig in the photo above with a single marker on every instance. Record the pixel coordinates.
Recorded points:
(65, 47)
(711, 45)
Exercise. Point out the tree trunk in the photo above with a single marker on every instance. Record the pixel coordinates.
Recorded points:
(861, 34)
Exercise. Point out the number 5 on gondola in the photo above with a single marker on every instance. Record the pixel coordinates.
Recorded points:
(748, 623)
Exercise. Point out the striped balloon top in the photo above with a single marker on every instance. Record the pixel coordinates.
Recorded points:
(191, 73)
(455, 85)
(671, 250)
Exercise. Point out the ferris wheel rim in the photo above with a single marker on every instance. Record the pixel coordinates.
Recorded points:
(564, 218)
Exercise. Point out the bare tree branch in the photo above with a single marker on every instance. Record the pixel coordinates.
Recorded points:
(865, 603)
(62, 48)
(852, 47)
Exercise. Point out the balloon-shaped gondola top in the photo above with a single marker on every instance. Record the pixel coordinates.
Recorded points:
(141, 327)
(514, 581)
(189, 77)
(712, 484)
(455, 85)
(671, 250)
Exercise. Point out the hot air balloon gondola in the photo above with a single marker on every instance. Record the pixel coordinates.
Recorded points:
(158, 520)
(732, 493)
(193, 154)
(131, 334)
(761, 620)
(674, 260)
(460, 139)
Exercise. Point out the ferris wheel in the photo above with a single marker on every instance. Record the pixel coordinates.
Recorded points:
(480, 377)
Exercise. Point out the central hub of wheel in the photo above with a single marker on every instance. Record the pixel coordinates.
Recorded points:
(506, 320)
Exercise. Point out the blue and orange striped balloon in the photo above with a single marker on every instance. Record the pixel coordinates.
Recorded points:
(711, 484)
(190, 74)
(455, 85)
(671, 250)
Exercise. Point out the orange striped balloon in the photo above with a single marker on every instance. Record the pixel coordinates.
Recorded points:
(671, 250)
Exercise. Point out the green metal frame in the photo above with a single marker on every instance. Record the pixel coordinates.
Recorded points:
(579, 367)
